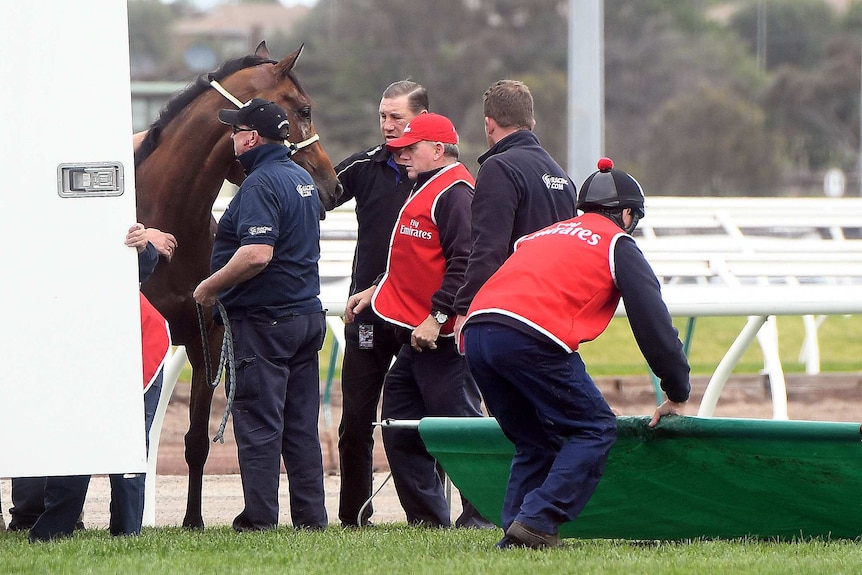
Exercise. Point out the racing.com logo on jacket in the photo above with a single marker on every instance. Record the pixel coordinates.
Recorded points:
(555, 182)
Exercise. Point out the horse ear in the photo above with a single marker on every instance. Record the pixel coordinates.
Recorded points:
(262, 50)
(289, 61)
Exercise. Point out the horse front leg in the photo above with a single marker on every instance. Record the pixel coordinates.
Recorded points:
(197, 440)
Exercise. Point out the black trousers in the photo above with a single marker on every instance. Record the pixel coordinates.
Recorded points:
(28, 502)
(64, 501)
(431, 383)
(362, 373)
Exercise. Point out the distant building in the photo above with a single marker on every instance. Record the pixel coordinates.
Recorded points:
(207, 39)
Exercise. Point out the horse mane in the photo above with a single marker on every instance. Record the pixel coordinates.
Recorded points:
(183, 98)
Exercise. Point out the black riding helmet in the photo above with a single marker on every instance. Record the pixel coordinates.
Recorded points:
(611, 189)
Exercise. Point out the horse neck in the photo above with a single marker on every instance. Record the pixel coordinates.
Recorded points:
(180, 181)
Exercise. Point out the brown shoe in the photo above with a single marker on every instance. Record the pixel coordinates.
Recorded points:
(520, 534)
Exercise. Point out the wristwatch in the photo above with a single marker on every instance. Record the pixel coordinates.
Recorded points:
(439, 316)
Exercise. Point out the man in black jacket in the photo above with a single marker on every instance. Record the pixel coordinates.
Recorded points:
(519, 187)
(380, 186)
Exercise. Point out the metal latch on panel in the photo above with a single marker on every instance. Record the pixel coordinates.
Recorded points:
(86, 180)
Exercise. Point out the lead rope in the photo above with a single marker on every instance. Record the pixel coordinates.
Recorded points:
(225, 358)
(205, 343)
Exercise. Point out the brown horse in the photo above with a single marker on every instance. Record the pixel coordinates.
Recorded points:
(180, 166)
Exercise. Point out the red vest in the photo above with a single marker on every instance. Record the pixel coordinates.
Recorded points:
(416, 264)
(155, 341)
(560, 281)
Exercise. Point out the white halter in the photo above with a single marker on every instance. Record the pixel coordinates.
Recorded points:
(294, 147)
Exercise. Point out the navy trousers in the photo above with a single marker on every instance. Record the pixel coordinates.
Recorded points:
(51, 506)
(28, 502)
(275, 416)
(362, 374)
(127, 490)
(550, 409)
(430, 383)
(64, 500)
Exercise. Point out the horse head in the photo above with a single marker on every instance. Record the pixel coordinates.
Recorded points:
(279, 84)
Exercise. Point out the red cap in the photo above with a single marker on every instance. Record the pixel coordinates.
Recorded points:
(431, 127)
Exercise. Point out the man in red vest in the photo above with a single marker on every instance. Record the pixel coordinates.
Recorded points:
(559, 288)
(427, 257)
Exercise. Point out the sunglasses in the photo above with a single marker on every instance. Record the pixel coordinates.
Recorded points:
(237, 129)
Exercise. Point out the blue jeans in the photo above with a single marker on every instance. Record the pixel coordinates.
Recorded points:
(127, 490)
(550, 409)
(275, 411)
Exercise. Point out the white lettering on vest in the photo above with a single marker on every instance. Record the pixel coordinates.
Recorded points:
(414, 231)
(574, 230)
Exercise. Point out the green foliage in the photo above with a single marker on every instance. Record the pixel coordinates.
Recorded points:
(401, 549)
(796, 32)
(656, 53)
(728, 151)
(852, 21)
(817, 110)
(655, 56)
(149, 35)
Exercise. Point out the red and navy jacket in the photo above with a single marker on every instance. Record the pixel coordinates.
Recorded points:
(563, 284)
(155, 341)
(428, 251)
(155, 334)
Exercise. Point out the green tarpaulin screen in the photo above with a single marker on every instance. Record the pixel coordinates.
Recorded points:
(689, 477)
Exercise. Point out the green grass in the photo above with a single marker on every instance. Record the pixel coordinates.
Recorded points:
(396, 549)
(840, 338)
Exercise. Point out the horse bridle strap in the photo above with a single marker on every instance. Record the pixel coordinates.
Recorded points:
(223, 91)
(293, 146)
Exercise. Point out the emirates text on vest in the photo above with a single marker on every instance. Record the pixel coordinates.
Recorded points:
(414, 231)
(570, 229)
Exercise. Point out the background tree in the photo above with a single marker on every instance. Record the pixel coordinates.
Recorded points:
(655, 52)
(150, 46)
(817, 110)
(728, 150)
(660, 57)
(455, 49)
(797, 31)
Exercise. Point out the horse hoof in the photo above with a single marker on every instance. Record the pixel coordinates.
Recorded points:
(196, 524)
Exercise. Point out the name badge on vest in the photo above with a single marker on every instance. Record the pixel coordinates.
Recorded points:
(366, 336)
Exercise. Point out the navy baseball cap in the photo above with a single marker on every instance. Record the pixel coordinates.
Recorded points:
(268, 118)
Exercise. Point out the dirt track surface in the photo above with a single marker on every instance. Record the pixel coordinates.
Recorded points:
(834, 397)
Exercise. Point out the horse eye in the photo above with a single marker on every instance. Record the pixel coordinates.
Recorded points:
(304, 112)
